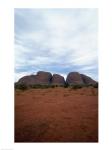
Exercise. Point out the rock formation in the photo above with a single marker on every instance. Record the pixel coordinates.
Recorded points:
(28, 80)
(74, 78)
(46, 78)
(58, 79)
(41, 78)
(87, 80)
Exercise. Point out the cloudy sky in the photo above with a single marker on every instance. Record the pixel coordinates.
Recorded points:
(56, 40)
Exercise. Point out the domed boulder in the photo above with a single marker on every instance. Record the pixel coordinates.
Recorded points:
(74, 78)
(58, 79)
(44, 78)
(28, 80)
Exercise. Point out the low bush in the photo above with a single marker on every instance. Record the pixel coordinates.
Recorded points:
(78, 86)
(35, 86)
(21, 86)
(38, 86)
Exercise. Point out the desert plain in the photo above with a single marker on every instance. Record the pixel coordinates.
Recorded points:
(56, 115)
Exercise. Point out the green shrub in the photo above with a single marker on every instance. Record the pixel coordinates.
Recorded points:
(35, 86)
(21, 86)
(39, 86)
(78, 86)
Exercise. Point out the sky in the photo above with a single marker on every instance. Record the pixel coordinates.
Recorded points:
(56, 40)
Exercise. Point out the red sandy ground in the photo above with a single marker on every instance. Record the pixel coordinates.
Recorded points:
(56, 115)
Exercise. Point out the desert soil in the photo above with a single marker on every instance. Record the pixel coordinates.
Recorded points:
(56, 115)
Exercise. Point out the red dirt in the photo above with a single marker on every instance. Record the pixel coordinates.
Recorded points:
(56, 115)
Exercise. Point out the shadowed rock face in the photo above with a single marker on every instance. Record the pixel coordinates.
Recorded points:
(87, 80)
(74, 78)
(58, 79)
(46, 78)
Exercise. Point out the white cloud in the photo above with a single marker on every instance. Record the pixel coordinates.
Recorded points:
(47, 37)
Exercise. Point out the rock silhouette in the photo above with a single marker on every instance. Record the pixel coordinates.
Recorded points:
(46, 78)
